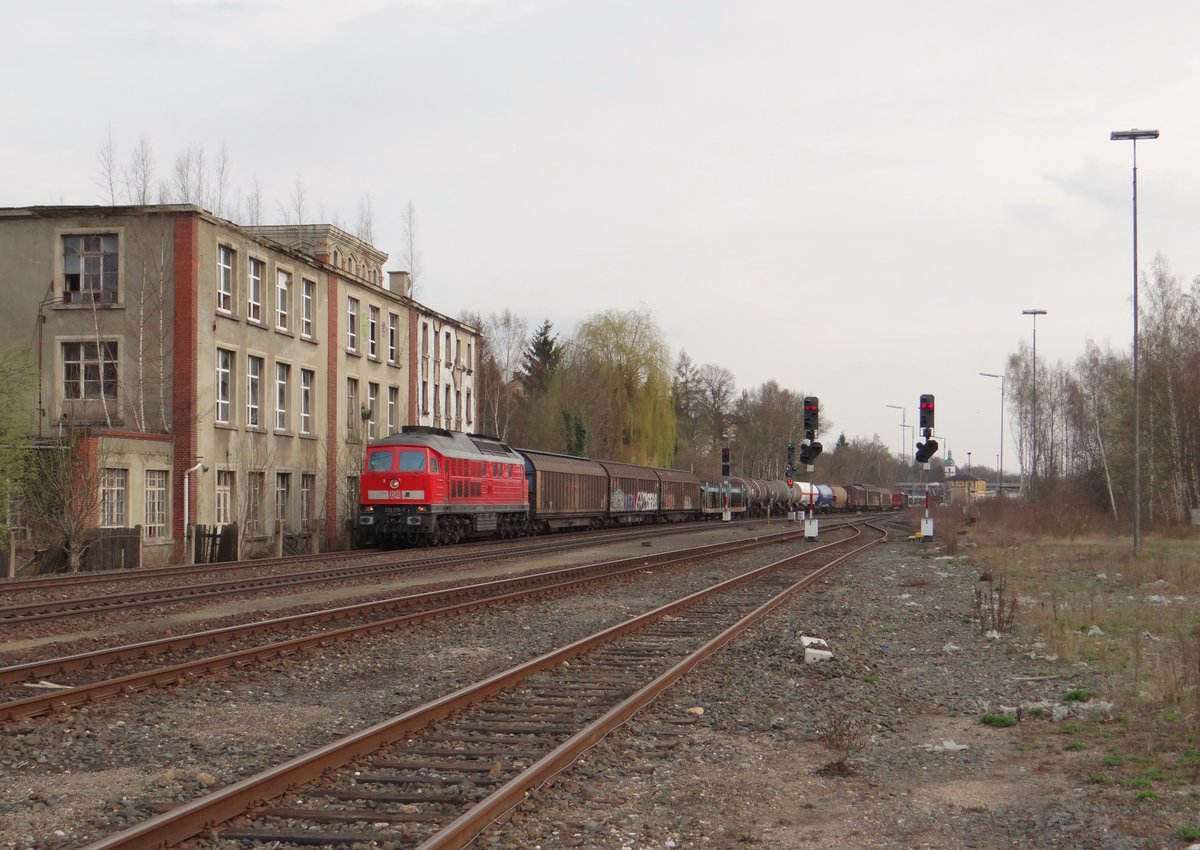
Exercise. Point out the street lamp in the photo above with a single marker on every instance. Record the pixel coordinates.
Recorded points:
(1034, 448)
(1133, 136)
(1000, 462)
(903, 419)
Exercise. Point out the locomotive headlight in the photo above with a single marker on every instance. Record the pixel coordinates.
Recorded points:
(394, 483)
(368, 509)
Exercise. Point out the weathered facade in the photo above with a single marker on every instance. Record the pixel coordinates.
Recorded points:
(239, 369)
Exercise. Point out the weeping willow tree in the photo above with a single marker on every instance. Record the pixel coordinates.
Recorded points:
(613, 390)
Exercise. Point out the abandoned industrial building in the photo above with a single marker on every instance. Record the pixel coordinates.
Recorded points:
(219, 374)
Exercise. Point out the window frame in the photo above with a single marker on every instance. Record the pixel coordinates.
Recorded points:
(352, 324)
(308, 292)
(114, 495)
(254, 292)
(283, 300)
(254, 390)
(283, 378)
(103, 361)
(84, 287)
(308, 380)
(156, 503)
(224, 388)
(373, 331)
(226, 278)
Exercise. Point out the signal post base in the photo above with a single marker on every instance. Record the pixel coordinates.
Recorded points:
(926, 528)
(810, 529)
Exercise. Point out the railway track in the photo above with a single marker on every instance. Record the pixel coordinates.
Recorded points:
(138, 666)
(438, 775)
(45, 609)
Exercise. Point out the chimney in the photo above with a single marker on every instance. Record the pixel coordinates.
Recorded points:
(400, 282)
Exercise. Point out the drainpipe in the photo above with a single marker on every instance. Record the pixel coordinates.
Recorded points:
(187, 479)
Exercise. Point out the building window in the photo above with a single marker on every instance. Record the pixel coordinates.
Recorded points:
(352, 324)
(424, 396)
(254, 371)
(308, 289)
(224, 384)
(112, 497)
(373, 331)
(254, 493)
(283, 299)
(351, 408)
(393, 406)
(468, 411)
(224, 497)
(458, 405)
(447, 352)
(283, 374)
(156, 503)
(226, 258)
(308, 488)
(424, 339)
(307, 378)
(470, 358)
(447, 410)
(89, 369)
(393, 337)
(372, 399)
(90, 269)
(283, 490)
(254, 285)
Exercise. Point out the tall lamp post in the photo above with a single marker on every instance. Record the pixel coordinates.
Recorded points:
(903, 420)
(1133, 136)
(1000, 462)
(1034, 448)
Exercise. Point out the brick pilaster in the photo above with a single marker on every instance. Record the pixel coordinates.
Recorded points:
(333, 384)
(184, 404)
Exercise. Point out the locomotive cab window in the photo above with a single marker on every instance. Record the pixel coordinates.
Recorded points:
(412, 461)
(380, 461)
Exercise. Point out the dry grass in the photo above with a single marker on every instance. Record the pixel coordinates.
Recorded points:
(1136, 620)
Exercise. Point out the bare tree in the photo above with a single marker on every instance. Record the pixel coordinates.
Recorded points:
(297, 210)
(139, 173)
(67, 498)
(221, 182)
(366, 220)
(254, 204)
(411, 256)
(108, 177)
(502, 347)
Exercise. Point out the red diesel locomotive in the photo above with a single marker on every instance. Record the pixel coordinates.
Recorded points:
(438, 486)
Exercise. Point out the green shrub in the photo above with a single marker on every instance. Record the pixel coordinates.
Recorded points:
(1188, 832)
(998, 720)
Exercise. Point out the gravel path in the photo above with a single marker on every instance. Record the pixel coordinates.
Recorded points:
(913, 675)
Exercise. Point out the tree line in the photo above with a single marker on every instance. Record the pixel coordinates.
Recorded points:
(612, 390)
(1082, 429)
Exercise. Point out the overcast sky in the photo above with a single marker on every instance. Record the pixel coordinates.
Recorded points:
(856, 200)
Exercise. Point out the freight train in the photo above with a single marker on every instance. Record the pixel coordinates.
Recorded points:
(430, 485)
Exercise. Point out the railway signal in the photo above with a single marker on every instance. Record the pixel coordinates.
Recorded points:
(809, 450)
(725, 461)
(929, 448)
(812, 409)
(926, 408)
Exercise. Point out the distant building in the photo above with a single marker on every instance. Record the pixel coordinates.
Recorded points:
(964, 488)
(262, 358)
